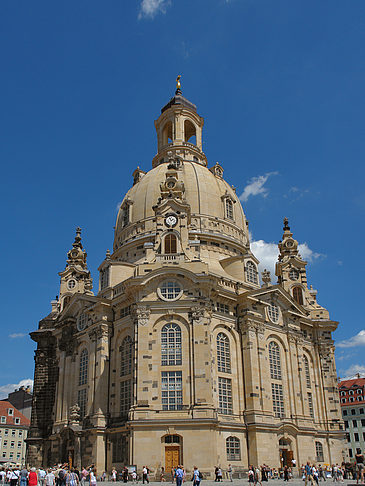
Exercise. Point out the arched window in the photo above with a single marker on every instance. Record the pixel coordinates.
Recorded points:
(307, 372)
(251, 272)
(126, 354)
(274, 360)
(170, 243)
(223, 353)
(229, 208)
(171, 352)
(84, 363)
(233, 449)
(167, 133)
(189, 132)
(319, 452)
(298, 295)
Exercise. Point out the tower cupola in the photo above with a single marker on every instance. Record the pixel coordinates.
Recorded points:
(179, 130)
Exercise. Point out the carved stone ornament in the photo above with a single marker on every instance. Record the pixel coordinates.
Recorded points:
(67, 342)
(141, 315)
(197, 313)
(74, 414)
(325, 350)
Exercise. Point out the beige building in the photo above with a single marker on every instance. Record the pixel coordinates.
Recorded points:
(182, 356)
(13, 433)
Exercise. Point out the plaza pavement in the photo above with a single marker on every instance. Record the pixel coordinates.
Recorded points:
(236, 482)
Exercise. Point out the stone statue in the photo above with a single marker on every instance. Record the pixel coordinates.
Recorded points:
(75, 414)
(178, 84)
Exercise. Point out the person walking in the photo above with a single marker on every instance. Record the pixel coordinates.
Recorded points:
(359, 458)
(92, 476)
(32, 477)
(286, 473)
(196, 476)
(229, 471)
(23, 477)
(308, 473)
(72, 478)
(251, 475)
(50, 479)
(179, 475)
(145, 475)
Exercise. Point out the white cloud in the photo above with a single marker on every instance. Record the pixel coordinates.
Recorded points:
(16, 335)
(6, 389)
(150, 8)
(256, 186)
(351, 372)
(267, 254)
(358, 340)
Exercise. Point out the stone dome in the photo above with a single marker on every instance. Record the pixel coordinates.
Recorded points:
(204, 190)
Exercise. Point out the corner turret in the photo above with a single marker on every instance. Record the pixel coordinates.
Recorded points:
(76, 277)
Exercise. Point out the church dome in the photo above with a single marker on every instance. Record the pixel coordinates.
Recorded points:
(180, 182)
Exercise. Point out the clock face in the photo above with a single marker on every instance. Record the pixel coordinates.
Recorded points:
(171, 220)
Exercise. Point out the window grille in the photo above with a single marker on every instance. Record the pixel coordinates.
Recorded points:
(104, 278)
(273, 311)
(126, 355)
(319, 451)
(125, 396)
(277, 399)
(170, 290)
(229, 209)
(223, 353)
(307, 372)
(310, 405)
(171, 385)
(233, 449)
(82, 401)
(171, 346)
(225, 396)
(251, 272)
(125, 311)
(274, 360)
(84, 362)
(224, 308)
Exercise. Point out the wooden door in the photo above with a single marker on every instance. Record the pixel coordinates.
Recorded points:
(172, 457)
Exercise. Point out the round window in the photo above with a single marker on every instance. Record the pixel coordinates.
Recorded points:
(273, 311)
(82, 321)
(170, 290)
(293, 274)
(71, 284)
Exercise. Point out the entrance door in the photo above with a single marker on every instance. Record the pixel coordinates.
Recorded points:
(172, 457)
(286, 457)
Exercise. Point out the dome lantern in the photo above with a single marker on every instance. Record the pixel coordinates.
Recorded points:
(179, 129)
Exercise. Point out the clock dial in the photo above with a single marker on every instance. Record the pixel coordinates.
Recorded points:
(171, 220)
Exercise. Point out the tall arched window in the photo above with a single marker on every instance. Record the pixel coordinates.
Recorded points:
(229, 209)
(307, 372)
(251, 272)
(170, 243)
(298, 295)
(126, 354)
(84, 363)
(171, 347)
(223, 353)
(233, 449)
(274, 360)
(189, 132)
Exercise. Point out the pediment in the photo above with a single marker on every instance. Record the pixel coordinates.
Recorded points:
(77, 303)
(281, 297)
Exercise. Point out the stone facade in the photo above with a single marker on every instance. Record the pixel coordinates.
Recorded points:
(182, 356)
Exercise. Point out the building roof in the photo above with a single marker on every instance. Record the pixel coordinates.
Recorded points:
(354, 383)
(355, 397)
(10, 419)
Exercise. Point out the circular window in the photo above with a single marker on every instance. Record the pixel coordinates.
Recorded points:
(273, 311)
(293, 274)
(289, 243)
(71, 284)
(171, 184)
(170, 290)
(82, 321)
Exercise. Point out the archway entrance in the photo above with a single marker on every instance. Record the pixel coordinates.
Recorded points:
(173, 452)
(285, 452)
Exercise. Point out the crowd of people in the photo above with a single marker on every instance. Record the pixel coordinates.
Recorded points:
(63, 475)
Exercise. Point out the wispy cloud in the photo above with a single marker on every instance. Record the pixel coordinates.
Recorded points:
(150, 8)
(17, 335)
(351, 372)
(6, 389)
(256, 186)
(357, 340)
(268, 253)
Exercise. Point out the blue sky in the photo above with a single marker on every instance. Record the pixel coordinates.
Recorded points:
(281, 88)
